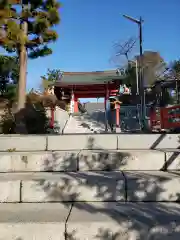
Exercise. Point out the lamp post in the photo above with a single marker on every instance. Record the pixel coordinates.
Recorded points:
(139, 22)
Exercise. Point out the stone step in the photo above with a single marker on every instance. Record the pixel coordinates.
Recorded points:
(80, 124)
(100, 186)
(109, 160)
(59, 187)
(38, 161)
(89, 160)
(74, 125)
(89, 141)
(152, 186)
(34, 212)
(107, 221)
(125, 221)
(33, 221)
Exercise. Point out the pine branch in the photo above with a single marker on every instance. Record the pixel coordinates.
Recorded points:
(40, 52)
(40, 15)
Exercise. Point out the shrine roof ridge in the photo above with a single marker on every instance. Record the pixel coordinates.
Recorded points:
(85, 78)
(106, 72)
(78, 78)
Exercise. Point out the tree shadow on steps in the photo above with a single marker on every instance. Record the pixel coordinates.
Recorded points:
(94, 159)
(173, 156)
(114, 205)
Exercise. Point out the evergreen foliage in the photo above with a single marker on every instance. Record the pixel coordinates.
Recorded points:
(9, 74)
(51, 76)
(41, 17)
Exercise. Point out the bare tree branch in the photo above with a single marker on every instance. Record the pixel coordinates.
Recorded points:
(121, 50)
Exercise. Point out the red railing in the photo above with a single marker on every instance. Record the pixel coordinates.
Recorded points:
(155, 118)
(165, 118)
(171, 117)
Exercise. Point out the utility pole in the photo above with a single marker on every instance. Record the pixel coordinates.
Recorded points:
(141, 78)
(139, 22)
(23, 64)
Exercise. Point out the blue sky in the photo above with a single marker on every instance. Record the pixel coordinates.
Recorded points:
(88, 30)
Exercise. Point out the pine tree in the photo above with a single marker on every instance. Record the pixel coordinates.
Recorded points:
(26, 27)
(51, 77)
(176, 69)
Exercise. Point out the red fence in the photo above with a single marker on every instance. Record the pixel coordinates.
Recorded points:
(166, 118)
(170, 117)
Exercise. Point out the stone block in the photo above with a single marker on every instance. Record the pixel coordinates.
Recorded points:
(33, 212)
(67, 142)
(78, 142)
(102, 142)
(10, 191)
(172, 160)
(148, 141)
(124, 221)
(22, 143)
(29, 231)
(38, 161)
(152, 186)
(169, 141)
(81, 186)
(23, 221)
(121, 160)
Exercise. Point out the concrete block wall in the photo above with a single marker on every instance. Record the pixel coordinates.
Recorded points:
(98, 182)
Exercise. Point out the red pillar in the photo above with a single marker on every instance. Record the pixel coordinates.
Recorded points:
(76, 109)
(117, 115)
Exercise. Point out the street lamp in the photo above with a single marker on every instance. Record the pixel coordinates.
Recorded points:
(139, 22)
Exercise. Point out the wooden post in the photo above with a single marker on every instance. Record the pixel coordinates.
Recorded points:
(117, 118)
(117, 107)
(117, 115)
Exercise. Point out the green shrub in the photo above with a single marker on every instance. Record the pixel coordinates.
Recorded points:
(33, 117)
(7, 122)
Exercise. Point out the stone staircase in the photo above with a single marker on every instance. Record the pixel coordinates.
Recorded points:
(82, 123)
(74, 125)
(101, 186)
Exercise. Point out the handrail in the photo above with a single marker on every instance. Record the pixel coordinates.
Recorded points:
(65, 125)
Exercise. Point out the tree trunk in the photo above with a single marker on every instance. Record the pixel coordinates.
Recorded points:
(22, 73)
(20, 111)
